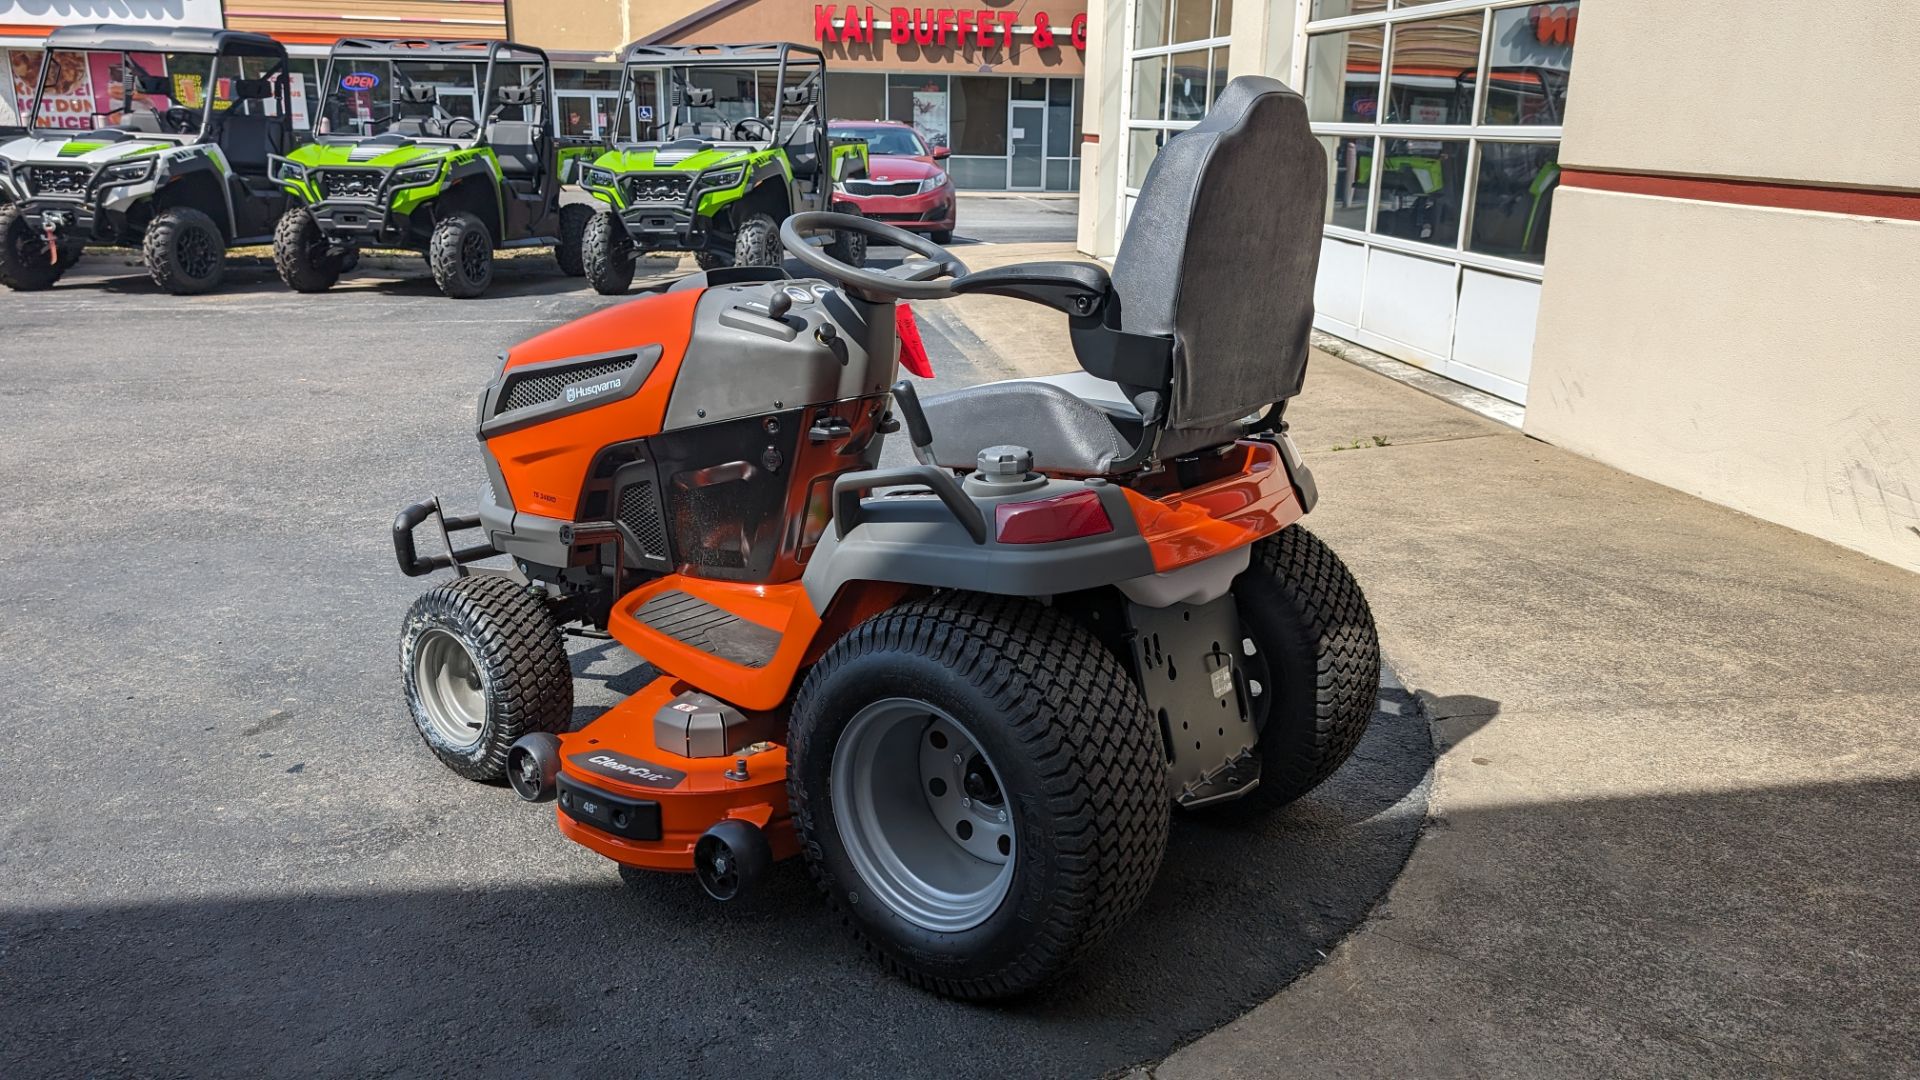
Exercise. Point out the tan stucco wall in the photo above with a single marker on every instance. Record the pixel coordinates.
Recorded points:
(1763, 359)
(1771, 89)
(601, 26)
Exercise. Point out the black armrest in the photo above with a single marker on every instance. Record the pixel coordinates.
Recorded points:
(1073, 287)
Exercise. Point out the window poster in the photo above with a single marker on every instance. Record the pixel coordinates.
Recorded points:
(930, 116)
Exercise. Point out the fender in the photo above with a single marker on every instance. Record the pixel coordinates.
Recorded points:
(204, 158)
(479, 166)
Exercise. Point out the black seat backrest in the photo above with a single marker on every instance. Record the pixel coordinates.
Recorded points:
(1221, 250)
(803, 149)
(516, 143)
(246, 134)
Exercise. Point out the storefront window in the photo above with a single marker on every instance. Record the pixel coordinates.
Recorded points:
(1150, 88)
(1219, 56)
(857, 97)
(1176, 69)
(1149, 24)
(1063, 122)
(1343, 75)
(1527, 64)
(1422, 190)
(1193, 20)
(1350, 185)
(979, 117)
(1340, 9)
(1434, 62)
(1187, 93)
(924, 102)
(1142, 147)
(1514, 199)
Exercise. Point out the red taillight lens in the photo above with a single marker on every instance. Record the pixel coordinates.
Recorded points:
(1043, 521)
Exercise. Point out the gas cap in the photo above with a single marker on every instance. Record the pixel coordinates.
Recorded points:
(1004, 464)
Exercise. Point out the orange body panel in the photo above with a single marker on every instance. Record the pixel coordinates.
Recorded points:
(1200, 522)
(705, 797)
(545, 464)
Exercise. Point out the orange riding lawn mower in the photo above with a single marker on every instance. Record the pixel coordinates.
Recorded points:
(969, 691)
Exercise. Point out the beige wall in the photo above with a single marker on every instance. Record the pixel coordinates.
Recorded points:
(1763, 359)
(601, 26)
(1771, 89)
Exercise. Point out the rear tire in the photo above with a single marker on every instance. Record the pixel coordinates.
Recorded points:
(608, 253)
(461, 256)
(24, 266)
(943, 237)
(570, 253)
(757, 242)
(1314, 636)
(184, 251)
(483, 664)
(300, 253)
(1063, 744)
(712, 260)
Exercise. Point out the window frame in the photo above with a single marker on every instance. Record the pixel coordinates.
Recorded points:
(1222, 38)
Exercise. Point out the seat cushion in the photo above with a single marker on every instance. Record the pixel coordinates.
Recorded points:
(1065, 433)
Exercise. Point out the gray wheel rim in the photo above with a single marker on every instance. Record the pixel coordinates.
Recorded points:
(450, 690)
(927, 826)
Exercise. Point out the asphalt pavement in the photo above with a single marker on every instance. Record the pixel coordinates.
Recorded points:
(226, 852)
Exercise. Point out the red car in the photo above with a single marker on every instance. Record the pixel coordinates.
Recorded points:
(904, 186)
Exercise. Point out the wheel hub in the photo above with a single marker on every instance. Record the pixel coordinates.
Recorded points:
(449, 686)
(920, 807)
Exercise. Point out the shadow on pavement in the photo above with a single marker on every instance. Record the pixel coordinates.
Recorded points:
(658, 980)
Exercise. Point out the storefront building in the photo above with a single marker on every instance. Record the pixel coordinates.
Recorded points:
(998, 84)
(1614, 213)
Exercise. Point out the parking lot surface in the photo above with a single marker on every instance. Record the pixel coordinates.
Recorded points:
(225, 850)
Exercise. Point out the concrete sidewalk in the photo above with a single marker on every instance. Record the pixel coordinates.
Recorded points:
(1676, 819)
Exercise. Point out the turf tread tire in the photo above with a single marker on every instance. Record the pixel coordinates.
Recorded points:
(19, 270)
(607, 252)
(1073, 711)
(757, 242)
(570, 252)
(522, 659)
(444, 256)
(1310, 619)
(291, 242)
(161, 245)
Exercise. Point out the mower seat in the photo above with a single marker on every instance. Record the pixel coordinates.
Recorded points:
(1201, 330)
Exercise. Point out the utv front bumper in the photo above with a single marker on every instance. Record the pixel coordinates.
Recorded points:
(664, 225)
(356, 221)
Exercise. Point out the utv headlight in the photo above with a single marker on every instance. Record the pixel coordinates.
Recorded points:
(594, 176)
(127, 172)
(417, 175)
(721, 179)
(284, 171)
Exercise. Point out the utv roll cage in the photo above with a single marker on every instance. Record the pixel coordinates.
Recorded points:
(810, 91)
(123, 38)
(472, 51)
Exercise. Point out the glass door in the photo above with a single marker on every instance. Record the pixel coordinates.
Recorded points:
(1026, 146)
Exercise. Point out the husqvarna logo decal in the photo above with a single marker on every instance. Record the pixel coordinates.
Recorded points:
(593, 390)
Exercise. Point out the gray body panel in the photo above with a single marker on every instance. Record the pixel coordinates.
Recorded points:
(826, 347)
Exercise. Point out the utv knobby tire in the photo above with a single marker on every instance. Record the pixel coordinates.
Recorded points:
(570, 253)
(184, 251)
(848, 246)
(943, 237)
(608, 254)
(712, 260)
(1077, 755)
(757, 242)
(24, 266)
(461, 256)
(300, 253)
(70, 253)
(516, 647)
(1317, 655)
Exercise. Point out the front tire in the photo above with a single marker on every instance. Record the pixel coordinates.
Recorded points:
(943, 237)
(300, 253)
(757, 242)
(1024, 715)
(461, 256)
(24, 265)
(483, 664)
(184, 251)
(571, 252)
(608, 255)
(848, 246)
(712, 260)
(1317, 656)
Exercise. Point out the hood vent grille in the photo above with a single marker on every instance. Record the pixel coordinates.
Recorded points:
(544, 386)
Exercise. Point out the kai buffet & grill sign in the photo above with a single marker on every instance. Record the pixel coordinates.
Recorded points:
(959, 27)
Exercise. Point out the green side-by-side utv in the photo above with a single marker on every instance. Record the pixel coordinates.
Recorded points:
(441, 147)
(738, 145)
(176, 165)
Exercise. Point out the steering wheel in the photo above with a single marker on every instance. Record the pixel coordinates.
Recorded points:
(766, 129)
(179, 118)
(928, 279)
